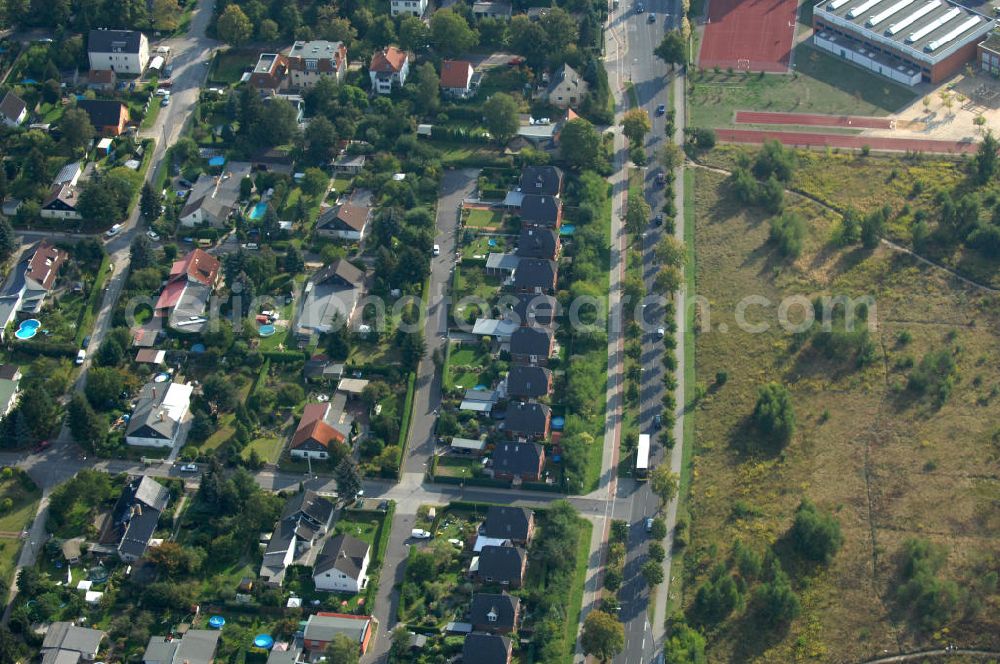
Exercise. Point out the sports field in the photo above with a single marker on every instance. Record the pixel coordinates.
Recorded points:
(750, 35)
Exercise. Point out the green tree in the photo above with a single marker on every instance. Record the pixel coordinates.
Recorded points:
(671, 251)
(774, 159)
(684, 645)
(787, 231)
(412, 349)
(88, 428)
(166, 15)
(635, 125)
(426, 88)
(104, 385)
(670, 156)
(76, 129)
(580, 144)
(320, 140)
(149, 203)
(233, 26)
(985, 161)
(451, 34)
(773, 415)
(141, 253)
(636, 213)
(603, 636)
(664, 483)
(414, 35)
(560, 30)
(8, 239)
(652, 573)
(816, 533)
(219, 389)
(673, 49)
(314, 182)
(775, 603)
(668, 279)
(342, 650)
(348, 479)
(716, 597)
(500, 115)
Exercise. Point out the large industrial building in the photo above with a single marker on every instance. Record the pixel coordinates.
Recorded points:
(909, 41)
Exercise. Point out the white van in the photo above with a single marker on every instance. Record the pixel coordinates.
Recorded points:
(81, 355)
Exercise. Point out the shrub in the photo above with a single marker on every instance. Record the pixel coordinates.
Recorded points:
(816, 534)
(934, 376)
(774, 415)
(787, 231)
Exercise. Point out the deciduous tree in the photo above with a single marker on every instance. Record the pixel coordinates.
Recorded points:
(603, 636)
(233, 26)
(500, 113)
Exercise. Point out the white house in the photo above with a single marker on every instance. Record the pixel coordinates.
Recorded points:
(456, 78)
(123, 51)
(342, 565)
(412, 7)
(389, 67)
(13, 110)
(158, 414)
(346, 222)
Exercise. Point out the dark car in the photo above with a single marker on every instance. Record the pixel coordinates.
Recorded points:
(640, 8)
(657, 421)
(85, 342)
(651, 19)
(661, 109)
(658, 220)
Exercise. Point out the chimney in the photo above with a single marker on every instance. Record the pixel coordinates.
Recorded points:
(154, 392)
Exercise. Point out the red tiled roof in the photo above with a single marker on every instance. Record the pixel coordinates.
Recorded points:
(171, 295)
(198, 266)
(318, 431)
(389, 59)
(44, 265)
(456, 74)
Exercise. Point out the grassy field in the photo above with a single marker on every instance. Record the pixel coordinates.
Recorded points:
(820, 84)
(269, 449)
(886, 462)
(228, 67)
(457, 467)
(484, 219)
(464, 366)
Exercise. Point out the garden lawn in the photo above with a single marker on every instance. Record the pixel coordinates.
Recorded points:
(268, 449)
(154, 109)
(463, 363)
(24, 503)
(457, 466)
(484, 218)
(229, 66)
(820, 84)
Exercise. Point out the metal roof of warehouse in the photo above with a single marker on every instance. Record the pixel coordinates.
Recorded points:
(928, 30)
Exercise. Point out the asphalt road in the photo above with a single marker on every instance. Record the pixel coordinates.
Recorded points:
(636, 37)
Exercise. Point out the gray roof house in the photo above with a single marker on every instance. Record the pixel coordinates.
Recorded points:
(66, 643)
(342, 565)
(527, 382)
(197, 646)
(528, 421)
(531, 345)
(496, 614)
(306, 518)
(535, 242)
(13, 110)
(214, 197)
(544, 211)
(135, 517)
(542, 180)
(534, 309)
(331, 292)
(535, 275)
(501, 10)
(567, 88)
(504, 565)
(482, 648)
(518, 461)
(509, 523)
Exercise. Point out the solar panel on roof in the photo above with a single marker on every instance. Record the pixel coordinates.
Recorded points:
(952, 13)
(912, 18)
(862, 8)
(886, 13)
(944, 39)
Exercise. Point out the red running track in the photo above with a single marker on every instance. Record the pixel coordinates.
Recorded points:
(807, 139)
(814, 120)
(758, 31)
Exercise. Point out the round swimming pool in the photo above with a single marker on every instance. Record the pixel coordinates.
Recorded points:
(28, 328)
(264, 641)
(266, 330)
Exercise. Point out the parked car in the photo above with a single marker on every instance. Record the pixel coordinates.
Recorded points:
(419, 533)
(658, 220)
(166, 101)
(649, 524)
(189, 468)
(661, 109)
(153, 235)
(114, 230)
(657, 421)
(81, 355)
(660, 332)
(651, 19)
(86, 342)
(639, 8)
(437, 250)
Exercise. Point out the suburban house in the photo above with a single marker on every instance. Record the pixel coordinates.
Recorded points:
(495, 614)
(519, 462)
(123, 51)
(65, 643)
(512, 524)
(61, 202)
(535, 242)
(70, 173)
(412, 7)
(501, 265)
(184, 299)
(542, 180)
(527, 382)
(501, 10)
(456, 78)
(332, 292)
(504, 565)
(310, 61)
(481, 648)
(475, 447)
(535, 275)
(197, 646)
(159, 412)
(314, 435)
(479, 401)
(10, 382)
(350, 164)
(346, 222)
(108, 117)
(567, 88)
(40, 274)
(320, 367)
(531, 345)
(305, 519)
(270, 72)
(390, 66)
(499, 329)
(214, 197)
(135, 517)
(342, 565)
(542, 211)
(531, 309)
(322, 627)
(102, 80)
(527, 421)
(13, 110)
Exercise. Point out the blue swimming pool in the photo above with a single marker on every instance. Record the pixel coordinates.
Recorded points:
(217, 161)
(567, 229)
(28, 329)
(258, 211)
(266, 330)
